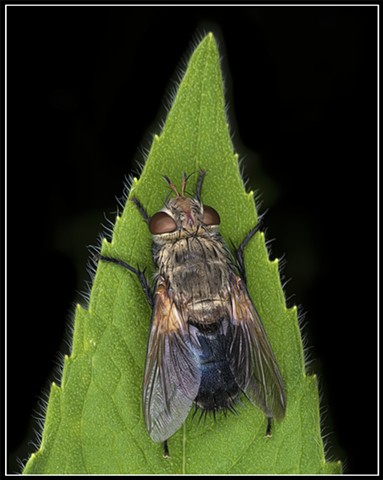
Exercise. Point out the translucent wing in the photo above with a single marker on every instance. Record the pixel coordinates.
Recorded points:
(172, 377)
(251, 357)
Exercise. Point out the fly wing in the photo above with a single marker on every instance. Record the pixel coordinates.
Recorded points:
(172, 375)
(251, 357)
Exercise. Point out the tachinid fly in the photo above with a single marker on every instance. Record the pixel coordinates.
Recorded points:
(207, 345)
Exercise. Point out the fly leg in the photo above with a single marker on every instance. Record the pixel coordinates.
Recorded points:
(140, 275)
(245, 241)
(268, 428)
(141, 209)
(241, 248)
(166, 449)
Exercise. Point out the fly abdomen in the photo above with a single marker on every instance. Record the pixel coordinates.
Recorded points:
(218, 389)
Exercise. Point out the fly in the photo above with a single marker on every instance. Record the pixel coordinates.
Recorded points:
(207, 345)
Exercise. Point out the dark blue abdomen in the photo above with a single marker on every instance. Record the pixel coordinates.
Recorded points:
(218, 389)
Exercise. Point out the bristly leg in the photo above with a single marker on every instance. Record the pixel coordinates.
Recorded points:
(245, 241)
(141, 209)
(140, 275)
(241, 248)
(166, 449)
(268, 428)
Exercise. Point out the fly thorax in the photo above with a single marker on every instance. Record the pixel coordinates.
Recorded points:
(197, 270)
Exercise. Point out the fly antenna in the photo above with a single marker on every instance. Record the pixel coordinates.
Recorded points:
(185, 178)
(172, 186)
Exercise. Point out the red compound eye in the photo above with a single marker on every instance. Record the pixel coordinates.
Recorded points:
(160, 223)
(210, 216)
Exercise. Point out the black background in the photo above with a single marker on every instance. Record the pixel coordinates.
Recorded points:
(86, 88)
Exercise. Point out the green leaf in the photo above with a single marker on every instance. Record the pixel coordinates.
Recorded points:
(94, 422)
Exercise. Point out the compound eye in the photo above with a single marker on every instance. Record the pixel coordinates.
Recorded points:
(210, 216)
(160, 223)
